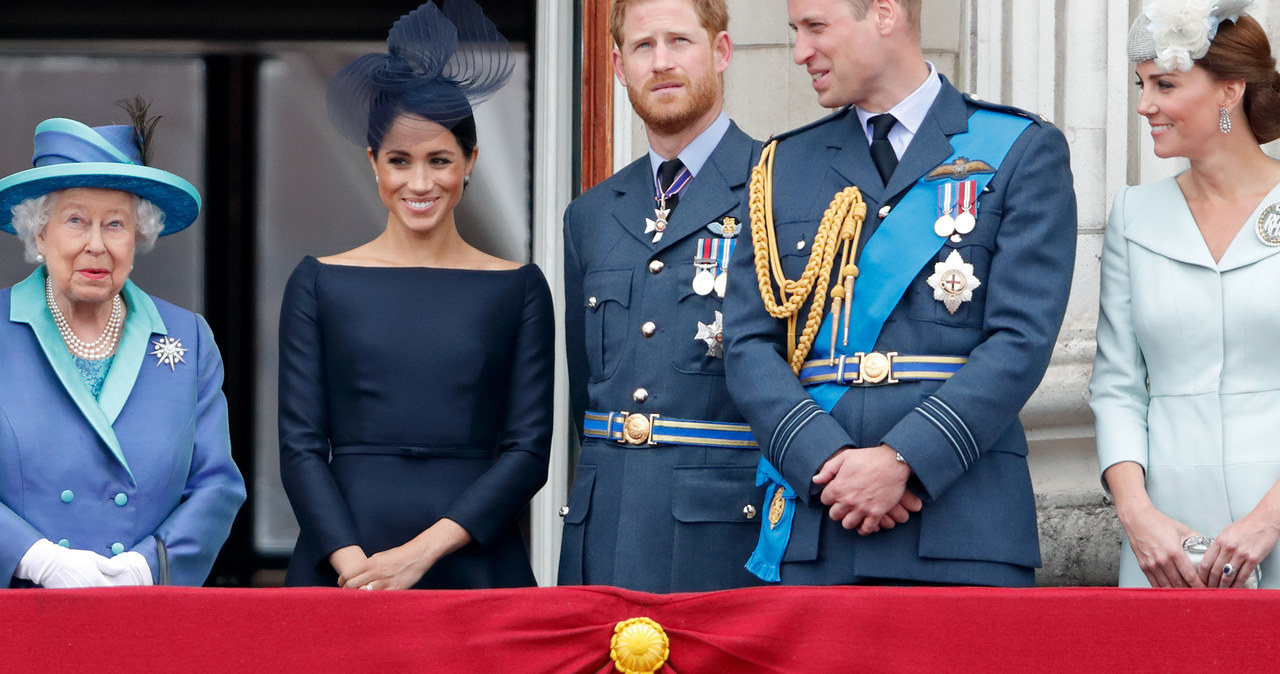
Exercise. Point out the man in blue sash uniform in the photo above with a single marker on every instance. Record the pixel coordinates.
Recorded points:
(888, 417)
(664, 496)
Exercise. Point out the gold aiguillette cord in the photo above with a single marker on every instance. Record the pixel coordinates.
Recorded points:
(841, 225)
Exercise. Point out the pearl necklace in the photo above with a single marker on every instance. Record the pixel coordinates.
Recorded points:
(101, 347)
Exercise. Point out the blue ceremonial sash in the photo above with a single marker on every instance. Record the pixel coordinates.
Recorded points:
(767, 557)
(890, 261)
(905, 241)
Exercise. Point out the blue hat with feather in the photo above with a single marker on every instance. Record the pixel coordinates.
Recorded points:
(69, 154)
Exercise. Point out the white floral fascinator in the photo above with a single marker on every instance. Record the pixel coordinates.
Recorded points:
(1174, 33)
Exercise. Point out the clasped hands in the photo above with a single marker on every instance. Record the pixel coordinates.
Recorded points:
(55, 567)
(866, 488)
(401, 567)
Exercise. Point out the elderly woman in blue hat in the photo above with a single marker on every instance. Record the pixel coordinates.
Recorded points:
(115, 461)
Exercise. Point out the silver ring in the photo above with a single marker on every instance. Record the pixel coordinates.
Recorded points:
(1228, 570)
(370, 587)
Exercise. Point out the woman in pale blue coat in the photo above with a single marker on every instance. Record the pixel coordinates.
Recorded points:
(1186, 385)
(115, 458)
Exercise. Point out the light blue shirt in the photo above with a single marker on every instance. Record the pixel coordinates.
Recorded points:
(696, 153)
(910, 112)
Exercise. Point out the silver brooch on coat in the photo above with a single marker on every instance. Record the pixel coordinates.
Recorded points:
(168, 351)
(1269, 225)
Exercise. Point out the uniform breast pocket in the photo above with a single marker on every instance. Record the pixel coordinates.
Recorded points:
(693, 354)
(956, 278)
(607, 296)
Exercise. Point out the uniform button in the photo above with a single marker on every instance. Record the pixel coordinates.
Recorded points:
(649, 328)
(117, 548)
(564, 510)
(592, 302)
(749, 511)
(800, 245)
(121, 499)
(67, 495)
(884, 211)
(640, 395)
(64, 543)
(655, 266)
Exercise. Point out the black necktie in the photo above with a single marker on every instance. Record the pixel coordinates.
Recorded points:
(881, 150)
(667, 172)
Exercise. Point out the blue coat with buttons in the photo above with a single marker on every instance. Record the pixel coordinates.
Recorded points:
(666, 518)
(146, 466)
(978, 524)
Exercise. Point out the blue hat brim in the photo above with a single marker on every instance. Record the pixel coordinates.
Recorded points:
(175, 196)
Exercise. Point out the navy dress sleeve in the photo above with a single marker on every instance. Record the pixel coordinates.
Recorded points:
(524, 445)
(304, 418)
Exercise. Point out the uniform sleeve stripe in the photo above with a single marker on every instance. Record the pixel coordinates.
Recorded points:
(941, 414)
(791, 424)
(973, 444)
(964, 462)
(946, 421)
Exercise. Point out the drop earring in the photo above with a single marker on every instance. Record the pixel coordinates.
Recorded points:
(377, 180)
(1224, 120)
(466, 180)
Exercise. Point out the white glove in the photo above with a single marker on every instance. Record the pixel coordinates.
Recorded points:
(54, 566)
(126, 568)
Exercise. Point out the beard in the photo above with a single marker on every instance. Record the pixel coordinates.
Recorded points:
(673, 116)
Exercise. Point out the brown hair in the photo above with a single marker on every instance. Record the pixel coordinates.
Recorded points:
(910, 7)
(1241, 51)
(712, 14)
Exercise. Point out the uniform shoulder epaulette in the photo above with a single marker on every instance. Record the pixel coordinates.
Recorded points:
(1008, 109)
(838, 114)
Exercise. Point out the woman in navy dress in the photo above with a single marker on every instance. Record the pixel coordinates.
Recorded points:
(416, 371)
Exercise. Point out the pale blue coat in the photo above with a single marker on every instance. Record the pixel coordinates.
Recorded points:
(1207, 425)
(150, 458)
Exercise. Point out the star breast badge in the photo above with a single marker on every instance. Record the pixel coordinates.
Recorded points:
(953, 282)
(168, 351)
(713, 336)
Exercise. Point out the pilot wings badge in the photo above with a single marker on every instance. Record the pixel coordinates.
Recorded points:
(960, 169)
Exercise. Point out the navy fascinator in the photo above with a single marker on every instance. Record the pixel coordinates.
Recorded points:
(439, 63)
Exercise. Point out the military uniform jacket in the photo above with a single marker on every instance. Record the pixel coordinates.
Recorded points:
(659, 518)
(961, 438)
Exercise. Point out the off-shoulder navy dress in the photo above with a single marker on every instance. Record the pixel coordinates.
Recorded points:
(408, 395)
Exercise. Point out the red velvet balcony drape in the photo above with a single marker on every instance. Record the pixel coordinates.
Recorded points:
(568, 630)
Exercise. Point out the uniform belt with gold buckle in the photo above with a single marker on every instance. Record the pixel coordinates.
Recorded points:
(875, 368)
(634, 428)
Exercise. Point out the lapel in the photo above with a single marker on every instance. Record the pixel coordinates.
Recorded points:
(930, 146)
(634, 202)
(932, 143)
(711, 194)
(28, 306)
(1175, 235)
(1246, 248)
(142, 322)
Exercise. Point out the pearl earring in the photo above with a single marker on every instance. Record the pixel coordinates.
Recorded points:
(1224, 120)
(39, 258)
(376, 179)
(466, 180)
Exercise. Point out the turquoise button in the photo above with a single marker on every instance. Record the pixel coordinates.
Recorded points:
(67, 495)
(64, 543)
(121, 499)
(117, 548)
